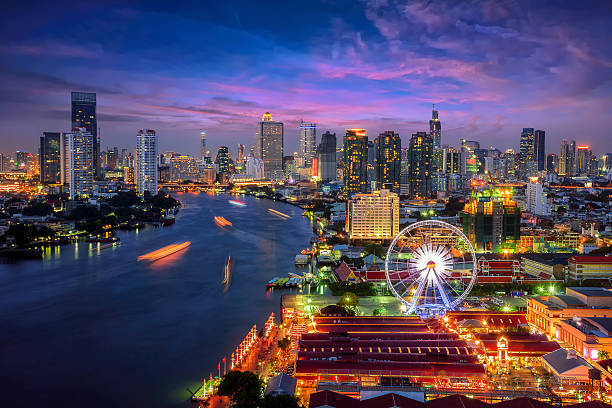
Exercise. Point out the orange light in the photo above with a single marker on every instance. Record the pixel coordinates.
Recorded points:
(165, 251)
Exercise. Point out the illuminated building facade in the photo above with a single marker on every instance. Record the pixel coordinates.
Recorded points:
(565, 168)
(537, 202)
(223, 159)
(469, 161)
(552, 163)
(373, 216)
(146, 161)
(355, 162)
(583, 160)
(435, 129)
(589, 267)
(77, 162)
(450, 161)
(50, 158)
(203, 151)
(308, 142)
(255, 168)
(326, 153)
(388, 147)
(128, 175)
(420, 164)
(84, 116)
(526, 145)
(491, 220)
(269, 146)
(183, 168)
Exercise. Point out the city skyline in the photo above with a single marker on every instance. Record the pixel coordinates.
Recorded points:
(234, 69)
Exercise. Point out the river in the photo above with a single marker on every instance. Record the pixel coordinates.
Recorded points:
(101, 329)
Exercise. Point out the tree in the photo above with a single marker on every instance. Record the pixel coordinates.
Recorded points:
(376, 249)
(38, 209)
(284, 344)
(280, 401)
(243, 387)
(603, 355)
(348, 299)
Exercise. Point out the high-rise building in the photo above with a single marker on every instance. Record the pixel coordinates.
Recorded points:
(572, 158)
(371, 167)
(552, 163)
(326, 153)
(128, 174)
(539, 149)
(50, 158)
(583, 160)
(469, 161)
(269, 146)
(435, 129)
(564, 159)
(240, 157)
(77, 162)
(84, 116)
(450, 161)
(308, 142)
(184, 168)
(537, 202)
(255, 168)
(420, 164)
(146, 161)
(373, 216)
(355, 162)
(203, 151)
(222, 159)
(526, 145)
(388, 147)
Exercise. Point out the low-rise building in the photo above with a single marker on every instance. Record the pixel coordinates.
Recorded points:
(587, 335)
(589, 267)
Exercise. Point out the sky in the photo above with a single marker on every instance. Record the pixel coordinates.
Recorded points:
(492, 66)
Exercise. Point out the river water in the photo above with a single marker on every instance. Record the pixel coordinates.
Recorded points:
(101, 329)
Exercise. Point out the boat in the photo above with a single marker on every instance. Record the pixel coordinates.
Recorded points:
(165, 251)
(168, 221)
(271, 281)
(222, 222)
(237, 203)
(102, 239)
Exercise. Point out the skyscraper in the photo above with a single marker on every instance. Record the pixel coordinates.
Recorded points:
(388, 160)
(308, 142)
(435, 128)
(269, 146)
(583, 160)
(539, 149)
(146, 161)
(203, 151)
(564, 159)
(326, 153)
(552, 163)
(355, 162)
(420, 164)
(50, 158)
(526, 145)
(572, 158)
(84, 116)
(77, 162)
(223, 159)
(371, 165)
(469, 161)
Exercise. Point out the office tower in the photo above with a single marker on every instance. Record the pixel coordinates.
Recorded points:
(355, 162)
(255, 168)
(77, 162)
(537, 202)
(526, 145)
(469, 161)
(604, 164)
(326, 153)
(491, 220)
(203, 151)
(552, 163)
(222, 159)
(373, 216)
(388, 147)
(84, 116)
(539, 148)
(290, 166)
(583, 160)
(50, 158)
(564, 159)
(146, 161)
(371, 166)
(308, 142)
(240, 157)
(128, 175)
(111, 158)
(184, 168)
(420, 164)
(435, 129)
(451, 159)
(572, 158)
(21, 159)
(269, 146)
(5, 162)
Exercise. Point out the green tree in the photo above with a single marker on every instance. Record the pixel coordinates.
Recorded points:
(376, 249)
(280, 401)
(603, 355)
(348, 299)
(284, 344)
(243, 387)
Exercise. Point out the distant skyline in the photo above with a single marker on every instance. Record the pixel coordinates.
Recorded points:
(492, 68)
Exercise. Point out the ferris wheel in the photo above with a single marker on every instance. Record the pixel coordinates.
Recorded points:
(430, 268)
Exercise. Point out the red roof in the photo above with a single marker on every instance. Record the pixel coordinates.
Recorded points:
(522, 402)
(332, 399)
(494, 279)
(343, 271)
(391, 400)
(412, 369)
(535, 348)
(587, 259)
(590, 404)
(456, 401)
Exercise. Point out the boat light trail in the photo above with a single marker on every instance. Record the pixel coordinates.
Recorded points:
(222, 222)
(163, 252)
(237, 203)
(278, 214)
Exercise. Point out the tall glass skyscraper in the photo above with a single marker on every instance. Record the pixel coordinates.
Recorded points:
(203, 151)
(146, 161)
(355, 162)
(435, 129)
(308, 142)
(84, 116)
(388, 160)
(539, 149)
(526, 145)
(326, 153)
(420, 167)
(223, 159)
(77, 164)
(50, 158)
(564, 159)
(268, 146)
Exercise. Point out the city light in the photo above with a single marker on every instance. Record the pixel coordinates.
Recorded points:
(163, 252)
